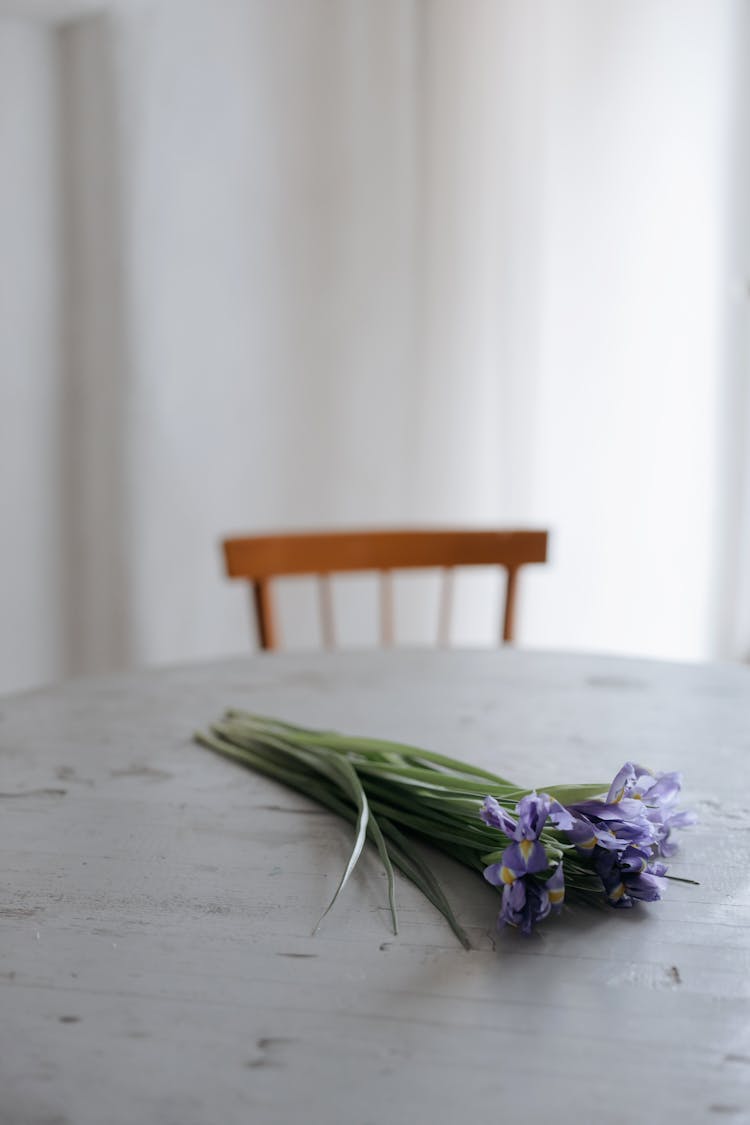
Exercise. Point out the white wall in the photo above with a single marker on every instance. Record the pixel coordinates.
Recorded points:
(98, 343)
(637, 290)
(258, 165)
(31, 602)
(585, 262)
(350, 261)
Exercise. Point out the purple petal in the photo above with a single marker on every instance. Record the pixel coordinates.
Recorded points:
(615, 825)
(524, 904)
(537, 906)
(556, 879)
(664, 823)
(561, 817)
(633, 861)
(555, 887)
(532, 814)
(682, 819)
(586, 835)
(626, 809)
(665, 790)
(646, 887)
(525, 857)
(495, 816)
(623, 902)
(514, 901)
(622, 784)
(497, 874)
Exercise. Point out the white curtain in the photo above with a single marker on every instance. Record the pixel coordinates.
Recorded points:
(356, 262)
(31, 520)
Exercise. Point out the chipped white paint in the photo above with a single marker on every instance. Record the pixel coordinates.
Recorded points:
(156, 902)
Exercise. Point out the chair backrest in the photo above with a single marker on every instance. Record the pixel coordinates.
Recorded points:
(260, 558)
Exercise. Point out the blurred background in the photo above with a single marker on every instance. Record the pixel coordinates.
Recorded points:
(271, 264)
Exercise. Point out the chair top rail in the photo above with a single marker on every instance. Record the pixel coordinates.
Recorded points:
(260, 557)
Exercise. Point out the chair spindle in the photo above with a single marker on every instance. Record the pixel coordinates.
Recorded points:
(386, 608)
(325, 602)
(446, 607)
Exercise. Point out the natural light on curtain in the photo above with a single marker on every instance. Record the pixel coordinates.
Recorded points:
(334, 263)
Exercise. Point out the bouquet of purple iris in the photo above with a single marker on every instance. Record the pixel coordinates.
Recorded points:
(535, 847)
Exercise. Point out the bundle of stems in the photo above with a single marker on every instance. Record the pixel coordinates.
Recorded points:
(396, 796)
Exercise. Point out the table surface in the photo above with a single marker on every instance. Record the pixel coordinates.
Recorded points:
(156, 903)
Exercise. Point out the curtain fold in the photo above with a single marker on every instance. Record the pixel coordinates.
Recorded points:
(344, 263)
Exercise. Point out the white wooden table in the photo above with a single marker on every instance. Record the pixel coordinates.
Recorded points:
(156, 902)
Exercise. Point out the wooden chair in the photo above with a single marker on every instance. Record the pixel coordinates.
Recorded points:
(260, 558)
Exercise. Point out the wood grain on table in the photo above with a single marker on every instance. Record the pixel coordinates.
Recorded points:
(156, 903)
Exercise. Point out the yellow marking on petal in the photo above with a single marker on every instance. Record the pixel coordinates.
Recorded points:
(556, 896)
(526, 847)
(507, 875)
(587, 845)
(617, 893)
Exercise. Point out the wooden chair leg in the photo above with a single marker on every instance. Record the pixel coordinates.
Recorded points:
(263, 602)
(509, 617)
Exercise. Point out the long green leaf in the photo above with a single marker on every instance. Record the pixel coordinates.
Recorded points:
(341, 772)
(411, 863)
(349, 744)
(349, 777)
(344, 776)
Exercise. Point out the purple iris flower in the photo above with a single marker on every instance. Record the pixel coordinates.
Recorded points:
(638, 811)
(525, 903)
(658, 793)
(626, 831)
(635, 781)
(630, 876)
(526, 899)
(612, 825)
(529, 900)
(525, 855)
